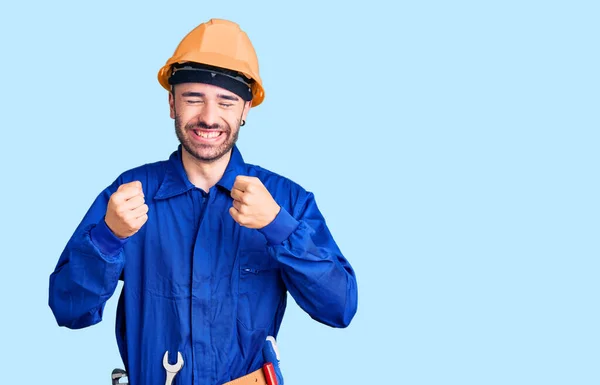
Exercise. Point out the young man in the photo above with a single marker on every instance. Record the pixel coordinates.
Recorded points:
(206, 245)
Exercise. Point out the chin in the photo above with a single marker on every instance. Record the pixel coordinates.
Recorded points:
(208, 156)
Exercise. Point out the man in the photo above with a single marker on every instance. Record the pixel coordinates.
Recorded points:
(206, 245)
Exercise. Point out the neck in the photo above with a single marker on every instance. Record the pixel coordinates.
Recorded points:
(204, 175)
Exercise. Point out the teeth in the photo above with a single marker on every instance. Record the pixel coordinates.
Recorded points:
(208, 135)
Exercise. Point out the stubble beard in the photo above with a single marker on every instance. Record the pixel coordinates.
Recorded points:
(203, 152)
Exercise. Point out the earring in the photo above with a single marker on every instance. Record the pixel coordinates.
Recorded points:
(243, 122)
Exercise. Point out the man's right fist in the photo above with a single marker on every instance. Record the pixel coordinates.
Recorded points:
(126, 212)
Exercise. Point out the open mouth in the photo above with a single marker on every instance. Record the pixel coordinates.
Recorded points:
(207, 135)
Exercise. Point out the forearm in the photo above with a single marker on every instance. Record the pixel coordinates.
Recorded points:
(315, 272)
(86, 276)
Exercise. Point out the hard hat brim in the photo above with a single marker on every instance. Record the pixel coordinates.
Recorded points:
(218, 60)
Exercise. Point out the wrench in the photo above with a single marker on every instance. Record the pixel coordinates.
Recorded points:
(172, 369)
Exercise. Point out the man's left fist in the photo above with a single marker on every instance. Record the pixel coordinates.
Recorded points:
(253, 205)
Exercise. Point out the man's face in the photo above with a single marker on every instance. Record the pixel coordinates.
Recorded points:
(207, 119)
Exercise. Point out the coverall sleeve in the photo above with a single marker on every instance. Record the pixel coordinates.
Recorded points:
(315, 272)
(88, 270)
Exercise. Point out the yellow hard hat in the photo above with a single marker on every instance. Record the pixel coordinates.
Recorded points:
(218, 43)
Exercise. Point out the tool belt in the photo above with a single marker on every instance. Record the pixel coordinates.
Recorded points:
(262, 376)
(255, 378)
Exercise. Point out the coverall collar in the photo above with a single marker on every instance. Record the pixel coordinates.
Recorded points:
(176, 181)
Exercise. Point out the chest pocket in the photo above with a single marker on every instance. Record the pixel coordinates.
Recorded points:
(261, 290)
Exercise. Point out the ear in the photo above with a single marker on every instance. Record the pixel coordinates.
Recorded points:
(172, 104)
(247, 107)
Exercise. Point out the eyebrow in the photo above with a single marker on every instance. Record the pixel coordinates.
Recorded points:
(191, 94)
(228, 97)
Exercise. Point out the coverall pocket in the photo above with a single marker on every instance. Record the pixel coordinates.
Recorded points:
(260, 290)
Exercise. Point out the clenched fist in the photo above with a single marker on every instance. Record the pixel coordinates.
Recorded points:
(253, 205)
(126, 212)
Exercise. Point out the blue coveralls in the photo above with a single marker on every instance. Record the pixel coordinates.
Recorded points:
(195, 281)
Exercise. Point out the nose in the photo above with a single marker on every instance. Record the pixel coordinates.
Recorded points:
(209, 115)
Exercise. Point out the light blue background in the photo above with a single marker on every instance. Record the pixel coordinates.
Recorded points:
(452, 147)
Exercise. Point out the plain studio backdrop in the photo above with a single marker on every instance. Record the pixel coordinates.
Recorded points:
(451, 146)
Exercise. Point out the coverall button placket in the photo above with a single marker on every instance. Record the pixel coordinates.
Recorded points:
(200, 298)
